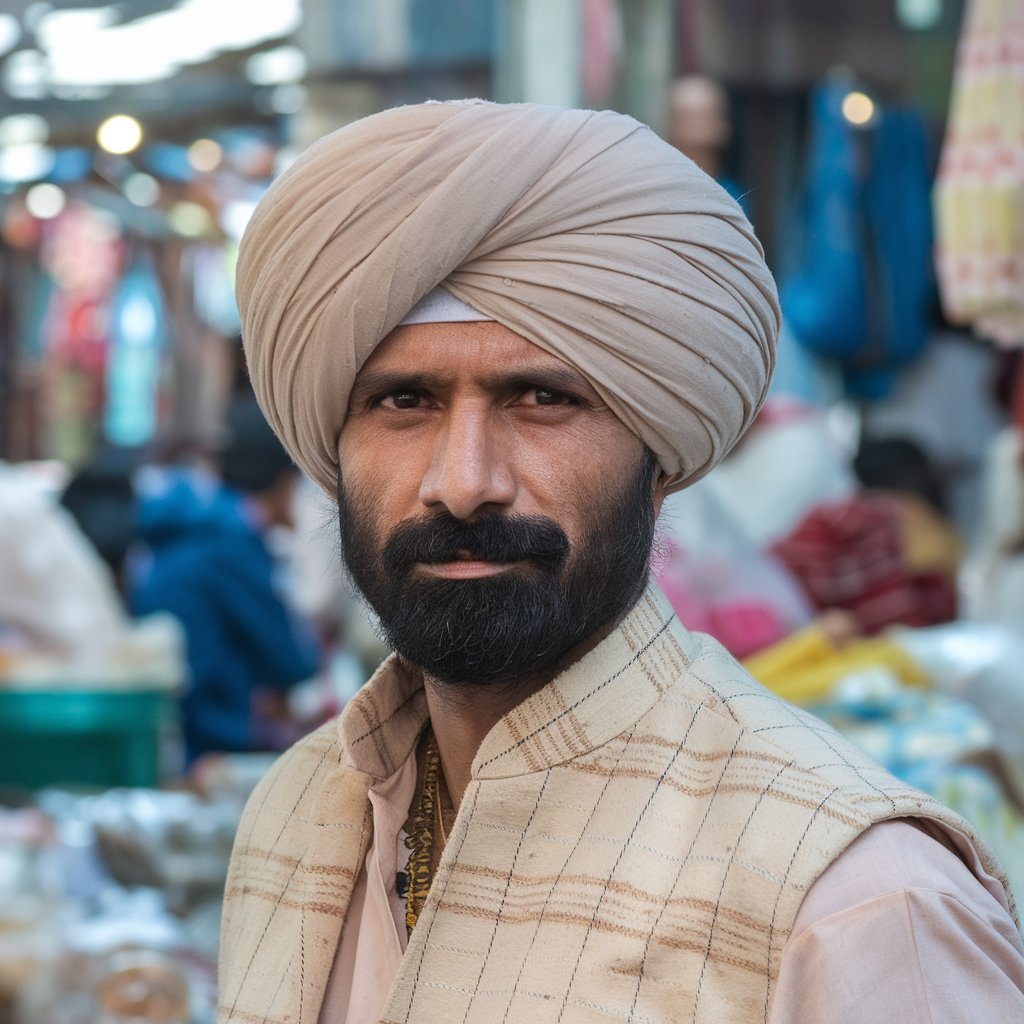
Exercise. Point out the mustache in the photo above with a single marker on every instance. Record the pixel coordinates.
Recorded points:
(495, 538)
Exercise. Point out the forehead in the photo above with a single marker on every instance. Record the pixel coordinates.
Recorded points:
(458, 348)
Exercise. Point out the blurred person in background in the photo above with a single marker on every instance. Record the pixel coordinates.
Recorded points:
(555, 801)
(209, 562)
(899, 470)
(100, 496)
(700, 127)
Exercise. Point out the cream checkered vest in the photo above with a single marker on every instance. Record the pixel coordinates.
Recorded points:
(634, 845)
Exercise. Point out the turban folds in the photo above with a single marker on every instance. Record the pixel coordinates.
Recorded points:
(581, 231)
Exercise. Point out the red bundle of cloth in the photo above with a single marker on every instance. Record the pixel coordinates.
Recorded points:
(852, 554)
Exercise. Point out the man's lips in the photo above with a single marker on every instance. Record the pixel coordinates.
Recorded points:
(464, 567)
(464, 570)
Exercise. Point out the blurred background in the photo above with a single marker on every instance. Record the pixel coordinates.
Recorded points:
(172, 611)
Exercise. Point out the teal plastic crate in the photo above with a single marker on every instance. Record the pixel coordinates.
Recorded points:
(82, 737)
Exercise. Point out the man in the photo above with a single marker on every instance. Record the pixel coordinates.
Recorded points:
(700, 127)
(501, 335)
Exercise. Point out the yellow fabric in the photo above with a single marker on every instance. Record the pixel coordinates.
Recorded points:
(806, 666)
(582, 231)
(635, 842)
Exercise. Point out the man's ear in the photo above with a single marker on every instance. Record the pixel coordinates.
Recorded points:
(660, 492)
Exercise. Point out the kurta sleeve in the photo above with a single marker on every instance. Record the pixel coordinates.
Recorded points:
(900, 929)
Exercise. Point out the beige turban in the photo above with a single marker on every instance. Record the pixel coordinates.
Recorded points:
(581, 231)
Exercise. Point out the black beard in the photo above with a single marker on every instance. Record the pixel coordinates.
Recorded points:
(515, 626)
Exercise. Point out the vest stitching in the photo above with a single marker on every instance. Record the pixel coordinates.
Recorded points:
(778, 898)
(430, 922)
(700, 679)
(725, 873)
(504, 895)
(270, 916)
(622, 852)
(561, 871)
(382, 722)
(590, 693)
(823, 736)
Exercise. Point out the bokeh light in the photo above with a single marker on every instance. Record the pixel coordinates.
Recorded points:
(45, 201)
(189, 219)
(205, 155)
(858, 108)
(141, 189)
(119, 134)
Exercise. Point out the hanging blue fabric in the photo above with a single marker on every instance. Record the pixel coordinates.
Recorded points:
(824, 299)
(862, 287)
(898, 231)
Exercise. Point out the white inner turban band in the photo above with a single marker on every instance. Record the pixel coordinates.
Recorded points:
(579, 230)
(441, 307)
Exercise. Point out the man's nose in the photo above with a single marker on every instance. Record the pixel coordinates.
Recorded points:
(469, 470)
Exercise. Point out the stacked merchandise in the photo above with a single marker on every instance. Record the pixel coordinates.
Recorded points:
(85, 691)
(110, 900)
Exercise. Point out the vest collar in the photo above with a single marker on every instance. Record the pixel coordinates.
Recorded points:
(594, 700)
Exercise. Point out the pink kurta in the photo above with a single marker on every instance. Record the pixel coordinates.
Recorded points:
(896, 929)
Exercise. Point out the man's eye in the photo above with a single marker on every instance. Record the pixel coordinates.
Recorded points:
(548, 396)
(401, 400)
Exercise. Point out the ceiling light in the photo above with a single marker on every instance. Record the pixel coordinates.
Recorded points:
(45, 201)
(90, 47)
(93, 46)
(858, 108)
(119, 134)
(205, 155)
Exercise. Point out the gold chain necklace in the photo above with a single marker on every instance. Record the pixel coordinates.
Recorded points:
(426, 825)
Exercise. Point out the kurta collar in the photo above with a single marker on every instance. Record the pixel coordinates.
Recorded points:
(594, 700)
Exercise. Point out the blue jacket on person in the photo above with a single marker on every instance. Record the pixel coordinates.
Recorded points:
(209, 565)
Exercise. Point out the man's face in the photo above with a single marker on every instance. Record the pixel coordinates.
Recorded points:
(494, 512)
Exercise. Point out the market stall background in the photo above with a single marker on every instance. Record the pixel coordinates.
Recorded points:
(862, 550)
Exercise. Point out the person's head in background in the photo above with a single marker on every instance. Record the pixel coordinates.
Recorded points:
(253, 461)
(100, 496)
(699, 123)
(900, 466)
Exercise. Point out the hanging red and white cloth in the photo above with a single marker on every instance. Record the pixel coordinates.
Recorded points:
(979, 192)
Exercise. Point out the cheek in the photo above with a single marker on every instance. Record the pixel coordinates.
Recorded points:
(575, 475)
(380, 485)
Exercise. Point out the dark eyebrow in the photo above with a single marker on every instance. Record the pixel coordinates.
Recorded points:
(370, 383)
(556, 378)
